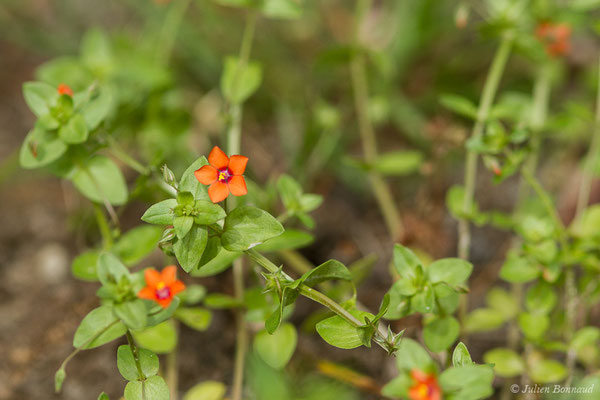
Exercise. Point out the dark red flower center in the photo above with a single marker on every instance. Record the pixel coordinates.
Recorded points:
(224, 175)
(162, 291)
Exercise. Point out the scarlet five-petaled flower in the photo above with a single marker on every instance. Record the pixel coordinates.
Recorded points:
(425, 386)
(64, 89)
(224, 175)
(161, 286)
(555, 37)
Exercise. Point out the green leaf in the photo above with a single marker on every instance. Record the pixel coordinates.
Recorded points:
(405, 261)
(193, 294)
(99, 178)
(284, 9)
(424, 301)
(469, 382)
(208, 390)
(40, 148)
(218, 264)
(540, 298)
(246, 227)
(585, 344)
(518, 269)
(75, 131)
(411, 355)
(310, 201)
(290, 192)
(59, 378)
(84, 266)
(195, 317)
(503, 302)
(161, 338)
(483, 320)
(39, 97)
(96, 52)
(447, 298)
(399, 303)
(163, 314)
(103, 396)
(290, 239)
(461, 356)
(239, 81)
(453, 271)
(339, 333)
(160, 213)
(128, 367)
(137, 243)
(218, 300)
(288, 296)
(153, 388)
(533, 325)
(98, 107)
(398, 387)
(189, 250)
(185, 198)
(211, 251)
(547, 371)
(276, 349)
(506, 362)
(459, 105)
(441, 333)
(110, 269)
(132, 313)
(189, 183)
(329, 270)
(182, 225)
(206, 212)
(398, 163)
(98, 327)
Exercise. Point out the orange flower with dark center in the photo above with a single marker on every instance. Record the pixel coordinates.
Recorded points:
(224, 175)
(65, 89)
(555, 37)
(425, 386)
(161, 286)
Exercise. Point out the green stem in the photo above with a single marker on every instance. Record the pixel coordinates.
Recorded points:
(541, 98)
(125, 158)
(546, 203)
(136, 355)
(107, 238)
(360, 89)
(487, 98)
(234, 139)
(316, 296)
(85, 344)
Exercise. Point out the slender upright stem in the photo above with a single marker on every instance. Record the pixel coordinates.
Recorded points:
(487, 98)
(541, 99)
(107, 239)
(360, 88)
(234, 138)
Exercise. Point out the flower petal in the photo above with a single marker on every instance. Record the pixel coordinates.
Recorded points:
(217, 158)
(168, 274)
(164, 303)
(206, 175)
(177, 287)
(152, 277)
(218, 191)
(147, 293)
(237, 186)
(237, 164)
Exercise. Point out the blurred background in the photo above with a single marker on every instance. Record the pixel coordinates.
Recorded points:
(164, 59)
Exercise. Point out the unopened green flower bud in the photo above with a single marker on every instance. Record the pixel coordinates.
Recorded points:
(168, 176)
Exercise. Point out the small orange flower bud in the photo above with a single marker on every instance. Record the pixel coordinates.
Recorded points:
(555, 37)
(65, 89)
